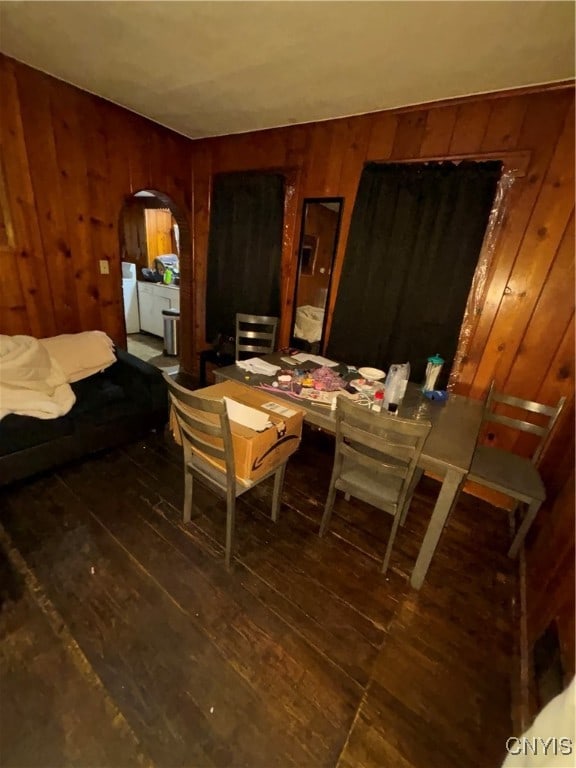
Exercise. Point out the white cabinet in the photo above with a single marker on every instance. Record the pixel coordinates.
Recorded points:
(174, 296)
(146, 308)
(152, 299)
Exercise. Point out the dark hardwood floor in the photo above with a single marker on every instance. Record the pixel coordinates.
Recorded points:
(125, 641)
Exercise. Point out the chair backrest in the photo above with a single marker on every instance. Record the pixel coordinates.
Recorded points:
(546, 415)
(255, 334)
(204, 427)
(383, 443)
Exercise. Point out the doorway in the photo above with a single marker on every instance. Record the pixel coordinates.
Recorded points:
(153, 233)
(244, 249)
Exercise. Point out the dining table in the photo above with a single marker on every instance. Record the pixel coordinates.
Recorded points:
(447, 452)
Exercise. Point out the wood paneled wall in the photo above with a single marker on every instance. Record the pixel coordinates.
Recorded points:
(547, 595)
(550, 574)
(159, 233)
(70, 160)
(132, 231)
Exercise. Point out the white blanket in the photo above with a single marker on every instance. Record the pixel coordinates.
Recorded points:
(81, 355)
(32, 383)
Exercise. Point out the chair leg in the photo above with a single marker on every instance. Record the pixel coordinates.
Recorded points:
(529, 516)
(188, 488)
(415, 480)
(395, 524)
(328, 509)
(230, 522)
(277, 493)
(404, 511)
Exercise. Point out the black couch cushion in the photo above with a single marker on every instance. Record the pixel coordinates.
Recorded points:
(120, 404)
(100, 400)
(97, 391)
(21, 432)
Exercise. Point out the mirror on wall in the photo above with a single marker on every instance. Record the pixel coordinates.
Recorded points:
(318, 240)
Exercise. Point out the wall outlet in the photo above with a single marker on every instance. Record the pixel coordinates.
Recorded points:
(104, 267)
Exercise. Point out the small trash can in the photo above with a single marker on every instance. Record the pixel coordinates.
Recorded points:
(171, 318)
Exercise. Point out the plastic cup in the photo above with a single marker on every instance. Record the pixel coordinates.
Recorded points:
(284, 381)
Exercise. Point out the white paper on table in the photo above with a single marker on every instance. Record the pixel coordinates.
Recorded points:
(257, 365)
(246, 416)
(302, 357)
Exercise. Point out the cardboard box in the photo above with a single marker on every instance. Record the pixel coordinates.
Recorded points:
(257, 453)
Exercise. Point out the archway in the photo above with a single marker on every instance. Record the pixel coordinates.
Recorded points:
(154, 238)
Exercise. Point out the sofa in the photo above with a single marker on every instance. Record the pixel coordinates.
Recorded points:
(119, 404)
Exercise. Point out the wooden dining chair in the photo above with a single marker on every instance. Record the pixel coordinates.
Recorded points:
(506, 472)
(376, 460)
(209, 455)
(255, 334)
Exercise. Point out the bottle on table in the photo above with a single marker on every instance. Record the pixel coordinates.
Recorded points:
(396, 383)
(435, 363)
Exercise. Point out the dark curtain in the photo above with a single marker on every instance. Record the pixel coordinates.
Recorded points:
(414, 242)
(244, 249)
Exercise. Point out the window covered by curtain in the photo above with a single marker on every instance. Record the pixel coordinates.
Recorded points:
(244, 249)
(414, 242)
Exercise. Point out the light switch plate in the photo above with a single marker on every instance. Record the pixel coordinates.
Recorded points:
(104, 267)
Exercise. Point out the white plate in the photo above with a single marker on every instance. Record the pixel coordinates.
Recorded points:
(372, 374)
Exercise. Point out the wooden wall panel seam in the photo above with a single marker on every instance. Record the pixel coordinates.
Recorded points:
(537, 132)
(28, 259)
(73, 195)
(437, 142)
(535, 255)
(35, 108)
(556, 301)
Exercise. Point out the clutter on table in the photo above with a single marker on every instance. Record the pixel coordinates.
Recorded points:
(367, 386)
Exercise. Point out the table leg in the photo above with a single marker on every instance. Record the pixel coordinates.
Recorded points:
(203, 358)
(529, 516)
(447, 499)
